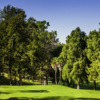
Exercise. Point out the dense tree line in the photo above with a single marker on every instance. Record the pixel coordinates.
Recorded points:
(80, 58)
(26, 47)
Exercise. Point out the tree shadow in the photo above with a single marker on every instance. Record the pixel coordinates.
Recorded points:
(35, 91)
(51, 98)
(86, 99)
(4, 93)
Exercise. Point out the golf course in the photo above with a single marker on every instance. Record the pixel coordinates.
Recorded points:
(47, 92)
(56, 60)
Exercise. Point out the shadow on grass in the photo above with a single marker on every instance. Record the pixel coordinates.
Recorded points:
(4, 93)
(36, 91)
(51, 98)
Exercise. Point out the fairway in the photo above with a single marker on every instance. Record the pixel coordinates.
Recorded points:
(48, 92)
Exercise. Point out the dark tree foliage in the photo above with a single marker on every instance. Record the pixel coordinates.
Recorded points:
(25, 45)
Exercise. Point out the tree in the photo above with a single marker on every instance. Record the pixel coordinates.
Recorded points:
(93, 54)
(25, 45)
(41, 42)
(9, 12)
(54, 66)
(15, 37)
(57, 63)
(75, 66)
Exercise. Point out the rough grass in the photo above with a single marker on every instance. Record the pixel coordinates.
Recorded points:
(48, 92)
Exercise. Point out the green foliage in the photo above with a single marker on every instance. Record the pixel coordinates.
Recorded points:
(28, 48)
(25, 45)
(93, 54)
(75, 63)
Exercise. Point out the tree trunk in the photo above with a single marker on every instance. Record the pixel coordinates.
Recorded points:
(73, 84)
(15, 78)
(68, 84)
(32, 78)
(10, 79)
(20, 79)
(55, 77)
(10, 74)
(60, 75)
(41, 80)
(78, 85)
(94, 85)
(46, 79)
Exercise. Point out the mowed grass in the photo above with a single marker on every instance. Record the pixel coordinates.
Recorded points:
(47, 92)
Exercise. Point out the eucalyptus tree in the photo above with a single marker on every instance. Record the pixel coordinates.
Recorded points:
(93, 54)
(47, 46)
(26, 45)
(41, 43)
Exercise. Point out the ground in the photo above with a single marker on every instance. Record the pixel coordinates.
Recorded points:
(48, 92)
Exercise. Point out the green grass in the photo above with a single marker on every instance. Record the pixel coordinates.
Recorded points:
(48, 92)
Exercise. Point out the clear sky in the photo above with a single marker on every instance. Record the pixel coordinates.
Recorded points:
(63, 15)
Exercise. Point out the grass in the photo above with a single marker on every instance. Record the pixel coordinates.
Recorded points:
(48, 92)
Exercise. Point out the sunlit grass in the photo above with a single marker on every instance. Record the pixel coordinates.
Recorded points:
(48, 92)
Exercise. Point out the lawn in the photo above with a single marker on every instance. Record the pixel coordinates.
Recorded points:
(48, 92)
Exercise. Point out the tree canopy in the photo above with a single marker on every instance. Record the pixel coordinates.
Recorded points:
(27, 48)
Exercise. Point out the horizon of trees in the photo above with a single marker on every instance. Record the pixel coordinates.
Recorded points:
(27, 48)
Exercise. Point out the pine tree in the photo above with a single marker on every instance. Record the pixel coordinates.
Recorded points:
(93, 54)
(75, 66)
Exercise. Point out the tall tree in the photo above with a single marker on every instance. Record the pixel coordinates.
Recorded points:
(41, 42)
(93, 54)
(16, 36)
(75, 64)
(26, 45)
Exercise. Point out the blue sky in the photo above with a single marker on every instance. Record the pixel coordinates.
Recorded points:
(63, 15)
